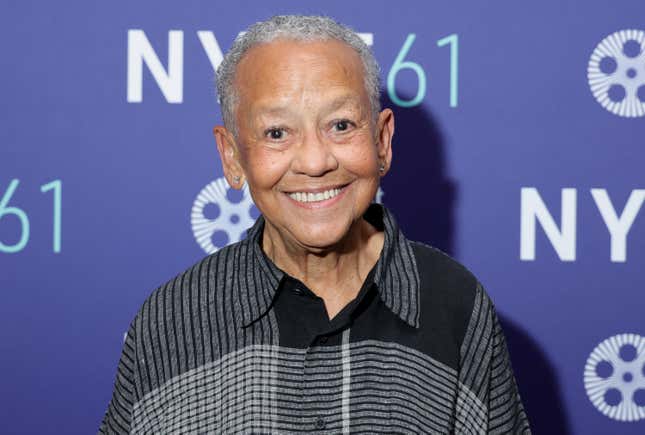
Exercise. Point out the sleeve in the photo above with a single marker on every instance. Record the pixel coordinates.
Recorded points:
(488, 400)
(118, 417)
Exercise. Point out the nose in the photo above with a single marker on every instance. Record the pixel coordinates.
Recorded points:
(314, 157)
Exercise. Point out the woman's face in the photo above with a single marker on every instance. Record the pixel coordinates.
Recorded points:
(307, 144)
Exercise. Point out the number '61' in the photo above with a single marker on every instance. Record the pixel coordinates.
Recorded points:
(7, 210)
(400, 64)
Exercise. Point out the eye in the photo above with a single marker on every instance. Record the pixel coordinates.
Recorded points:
(274, 133)
(342, 125)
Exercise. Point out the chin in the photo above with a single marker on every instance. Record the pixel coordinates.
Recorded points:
(321, 236)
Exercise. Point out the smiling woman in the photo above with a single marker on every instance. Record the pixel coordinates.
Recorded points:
(326, 317)
(310, 151)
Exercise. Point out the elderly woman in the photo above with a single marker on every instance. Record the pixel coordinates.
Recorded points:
(325, 318)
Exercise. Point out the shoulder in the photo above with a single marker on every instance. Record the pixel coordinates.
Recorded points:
(203, 286)
(211, 273)
(172, 331)
(444, 274)
(448, 289)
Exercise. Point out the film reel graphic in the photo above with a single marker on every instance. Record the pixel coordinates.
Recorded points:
(616, 73)
(218, 221)
(614, 377)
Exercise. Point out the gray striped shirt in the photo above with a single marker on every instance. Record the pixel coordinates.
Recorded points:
(234, 345)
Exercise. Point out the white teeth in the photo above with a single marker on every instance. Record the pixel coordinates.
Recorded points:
(314, 197)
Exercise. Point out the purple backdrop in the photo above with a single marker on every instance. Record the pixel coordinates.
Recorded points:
(523, 157)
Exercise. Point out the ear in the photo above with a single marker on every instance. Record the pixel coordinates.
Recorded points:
(384, 133)
(230, 156)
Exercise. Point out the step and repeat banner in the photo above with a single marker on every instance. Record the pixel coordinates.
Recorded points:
(519, 149)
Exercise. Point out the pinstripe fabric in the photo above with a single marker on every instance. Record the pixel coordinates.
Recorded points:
(488, 373)
(347, 388)
(206, 353)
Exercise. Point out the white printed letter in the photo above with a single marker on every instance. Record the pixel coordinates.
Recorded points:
(211, 47)
(170, 82)
(532, 209)
(618, 226)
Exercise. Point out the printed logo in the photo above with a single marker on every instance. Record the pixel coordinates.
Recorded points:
(615, 377)
(221, 215)
(616, 73)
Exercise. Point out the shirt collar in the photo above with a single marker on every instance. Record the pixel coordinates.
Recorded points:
(395, 275)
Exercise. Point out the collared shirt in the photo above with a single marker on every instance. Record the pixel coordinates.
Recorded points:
(235, 345)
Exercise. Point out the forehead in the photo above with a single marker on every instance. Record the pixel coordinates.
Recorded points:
(284, 69)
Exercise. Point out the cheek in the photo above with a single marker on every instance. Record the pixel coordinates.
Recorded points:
(264, 169)
(359, 159)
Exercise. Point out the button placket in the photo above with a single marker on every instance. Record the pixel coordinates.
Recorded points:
(315, 419)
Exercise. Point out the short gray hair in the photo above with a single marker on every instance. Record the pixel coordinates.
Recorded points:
(297, 28)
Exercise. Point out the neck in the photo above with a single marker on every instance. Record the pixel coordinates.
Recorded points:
(335, 274)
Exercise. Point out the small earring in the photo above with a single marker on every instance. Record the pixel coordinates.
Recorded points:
(236, 179)
(381, 168)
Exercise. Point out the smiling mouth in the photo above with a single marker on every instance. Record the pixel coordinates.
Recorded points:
(324, 195)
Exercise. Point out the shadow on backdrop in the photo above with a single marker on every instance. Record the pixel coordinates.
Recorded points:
(537, 381)
(419, 173)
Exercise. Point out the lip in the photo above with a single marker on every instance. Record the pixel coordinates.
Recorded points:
(319, 204)
(317, 189)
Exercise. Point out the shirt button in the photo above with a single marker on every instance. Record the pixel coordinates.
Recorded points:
(320, 423)
(298, 291)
